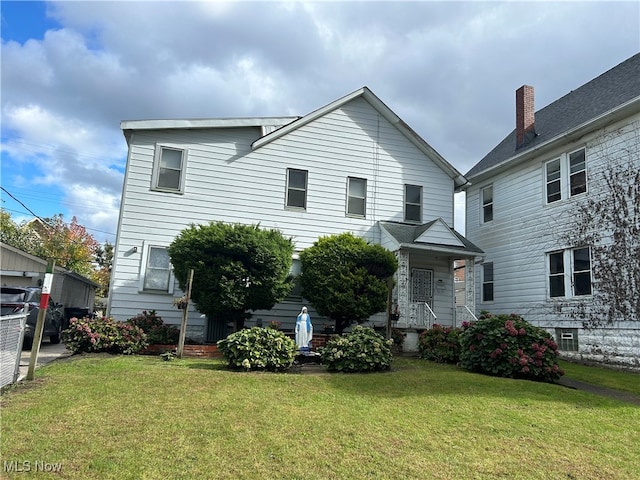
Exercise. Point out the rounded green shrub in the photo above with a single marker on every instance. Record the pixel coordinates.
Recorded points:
(440, 344)
(362, 350)
(103, 335)
(258, 348)
(509, 346)
(158, 332)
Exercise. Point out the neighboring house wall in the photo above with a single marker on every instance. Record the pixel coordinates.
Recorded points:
(525, 229)
(228, 180)
(22, 269)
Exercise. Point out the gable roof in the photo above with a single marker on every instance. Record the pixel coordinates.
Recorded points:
(615, 92)
(386, 113)
(432, 236)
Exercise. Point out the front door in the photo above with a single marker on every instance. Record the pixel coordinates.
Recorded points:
(422, 286)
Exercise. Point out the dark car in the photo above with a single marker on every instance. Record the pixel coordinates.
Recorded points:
(13, 299)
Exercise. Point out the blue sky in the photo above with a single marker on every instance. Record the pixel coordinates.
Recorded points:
(73, 70)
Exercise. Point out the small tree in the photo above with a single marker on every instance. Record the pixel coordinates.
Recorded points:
(345, 278)
(237, 268)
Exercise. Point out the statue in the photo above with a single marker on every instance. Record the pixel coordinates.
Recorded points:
(304, 330)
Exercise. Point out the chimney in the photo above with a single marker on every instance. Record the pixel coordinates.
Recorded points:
(525, 115)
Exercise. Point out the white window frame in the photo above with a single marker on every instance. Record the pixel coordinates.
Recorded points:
(351, 197)
(565, 176)
(157, 160)
(305, 190)
(486, 206)
(144, 267)
(569, 273)
(487, 282)
(412, 204)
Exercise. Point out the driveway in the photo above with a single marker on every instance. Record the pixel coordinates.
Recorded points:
(48, 352)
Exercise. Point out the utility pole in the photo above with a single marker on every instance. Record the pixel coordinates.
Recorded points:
(44, 303)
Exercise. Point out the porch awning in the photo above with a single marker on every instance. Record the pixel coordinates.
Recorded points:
(434, 236)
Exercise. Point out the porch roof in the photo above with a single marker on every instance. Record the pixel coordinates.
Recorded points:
(434, 236)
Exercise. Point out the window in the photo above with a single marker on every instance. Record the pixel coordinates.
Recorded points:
(556, 274)
(356, 196)
(487, 204)
(296, 188)
(567, 339)
(570, 273)
(577, 173)
(157, 271)
(413, 203)
(566, 176)
(553, 181)
(487, 282)
(582, 271)
(168, 174)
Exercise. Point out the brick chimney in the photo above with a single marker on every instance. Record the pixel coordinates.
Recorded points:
(525, 115)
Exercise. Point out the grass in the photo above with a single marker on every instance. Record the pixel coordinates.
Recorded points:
(603, 377)
(138, 417)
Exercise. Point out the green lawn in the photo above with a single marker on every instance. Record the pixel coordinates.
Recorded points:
(138, 417)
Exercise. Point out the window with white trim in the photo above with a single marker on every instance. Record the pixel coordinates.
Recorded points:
(156, 271)
(169, 170)
(569, 272)
(356, 196)
(567, 339)
(412, 203)
(566, 176)
(487, 204)
(296, 188)
(487, 282)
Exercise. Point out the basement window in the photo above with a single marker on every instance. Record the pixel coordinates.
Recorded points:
(567, 339)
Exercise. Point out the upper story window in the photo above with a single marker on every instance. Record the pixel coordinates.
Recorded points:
(566, 176)
(356, 196)
(156, 270)
(487, 204)
(570, 272)
(296, 188)
(487, 282)
(169, 171)
(413, 203)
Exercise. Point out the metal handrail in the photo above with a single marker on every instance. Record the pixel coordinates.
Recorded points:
(431, 312)
(471, 313)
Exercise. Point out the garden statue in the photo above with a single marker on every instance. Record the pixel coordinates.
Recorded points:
(304, 331)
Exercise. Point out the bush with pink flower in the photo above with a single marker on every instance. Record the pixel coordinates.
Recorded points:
(105, 334)
(509, 346)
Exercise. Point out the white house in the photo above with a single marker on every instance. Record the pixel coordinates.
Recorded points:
(521, 206)
(350, 166)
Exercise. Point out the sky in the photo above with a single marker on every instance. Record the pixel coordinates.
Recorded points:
(71, 71)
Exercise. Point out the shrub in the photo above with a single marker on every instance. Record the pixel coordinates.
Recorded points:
(398, 337)
(362, 350)
(509, 346)
(258, 348)
(103, 335)
(158, 332)
(440, 344)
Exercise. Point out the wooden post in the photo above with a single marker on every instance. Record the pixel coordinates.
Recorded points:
(185, 314)
(44, 303)
(389, 298)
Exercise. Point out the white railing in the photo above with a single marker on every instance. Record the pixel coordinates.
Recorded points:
(464, 314)
(11, 337)
(420, 315)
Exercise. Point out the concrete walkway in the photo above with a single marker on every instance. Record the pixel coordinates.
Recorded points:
(48, 352)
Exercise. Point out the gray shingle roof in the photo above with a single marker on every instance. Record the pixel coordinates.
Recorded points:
(602, 94)
(407, 234)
